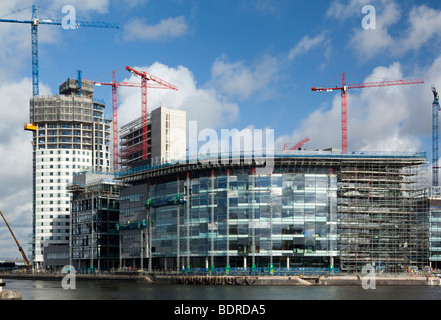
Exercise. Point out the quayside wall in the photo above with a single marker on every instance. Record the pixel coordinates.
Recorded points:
(240, 280)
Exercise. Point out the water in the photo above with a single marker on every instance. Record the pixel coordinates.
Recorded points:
(113, 290)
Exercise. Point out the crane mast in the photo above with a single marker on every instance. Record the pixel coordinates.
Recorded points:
(435, 143)
(35, 22)
(158, 84)
(344, 103)
(114, 84)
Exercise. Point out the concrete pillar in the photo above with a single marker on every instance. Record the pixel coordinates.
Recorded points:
(245, 263)
(287, 263)
(142, 248)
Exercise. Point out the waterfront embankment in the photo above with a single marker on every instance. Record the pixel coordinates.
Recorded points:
(340, 280)
(130, 277)
(8, 294)
(300, 281)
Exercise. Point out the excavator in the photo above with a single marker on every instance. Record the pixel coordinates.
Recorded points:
(26, 261)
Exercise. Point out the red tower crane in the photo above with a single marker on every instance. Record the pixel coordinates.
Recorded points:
(298, 145)
(344, 104)
(115, 86)
(159, 84)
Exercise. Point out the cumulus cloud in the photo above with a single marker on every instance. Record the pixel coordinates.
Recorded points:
(204, 105)
(15, 162)
(138, 29)
(424, 26)
(417, 27)
(369, 43)
(379, 119)
(241, 80)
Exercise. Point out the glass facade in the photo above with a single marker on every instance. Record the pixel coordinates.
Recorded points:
(94, 219)
(280, 220)
(433, 196)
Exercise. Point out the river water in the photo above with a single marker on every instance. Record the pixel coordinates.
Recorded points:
(112, 290)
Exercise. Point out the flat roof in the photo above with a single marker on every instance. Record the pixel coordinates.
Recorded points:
(278, 159)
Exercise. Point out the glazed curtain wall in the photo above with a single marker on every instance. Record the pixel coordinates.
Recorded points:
(246, 216)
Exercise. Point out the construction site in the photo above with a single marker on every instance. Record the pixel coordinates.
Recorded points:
(142, 203)
(95, 214)
(316, 209)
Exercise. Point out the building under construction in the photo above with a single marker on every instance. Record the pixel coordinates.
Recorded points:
(70, 134)
(166, 137)
(94, 241)
(312, 209)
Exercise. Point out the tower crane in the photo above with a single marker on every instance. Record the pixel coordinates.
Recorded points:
(298, 145)
(114, 84)
(435, 122)
(34, 22)
(159, 84)
(344, 93)
(26, 261)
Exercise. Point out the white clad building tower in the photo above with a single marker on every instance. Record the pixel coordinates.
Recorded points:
(70, 135)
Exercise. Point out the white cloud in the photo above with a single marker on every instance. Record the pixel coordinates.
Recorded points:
(15, 162)
(397, 31)
(99, 6)
(239, 80)
(204, 105)
(379, 119)
(424, 26)
(346, 9)
(307, 43)
(138, 29)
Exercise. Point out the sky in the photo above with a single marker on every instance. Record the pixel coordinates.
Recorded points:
(237, 64)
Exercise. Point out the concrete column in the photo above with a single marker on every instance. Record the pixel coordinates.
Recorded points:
(141, 241)
(245, 263)
(287, 263)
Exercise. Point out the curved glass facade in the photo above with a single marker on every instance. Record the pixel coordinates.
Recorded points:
(281, 220)
(314, 210)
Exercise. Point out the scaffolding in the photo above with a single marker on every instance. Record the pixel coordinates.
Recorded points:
(382, 220)
(94, 221)
(131, 137)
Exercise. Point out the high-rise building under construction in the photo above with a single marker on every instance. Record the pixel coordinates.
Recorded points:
(70, 134)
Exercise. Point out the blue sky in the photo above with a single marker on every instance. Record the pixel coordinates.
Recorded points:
(237, 64)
